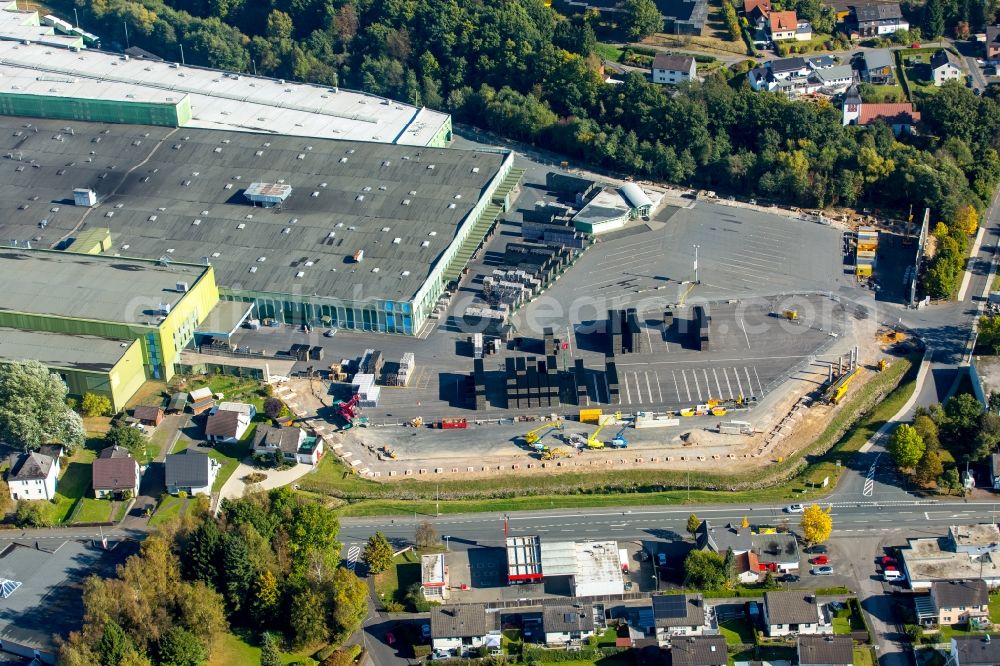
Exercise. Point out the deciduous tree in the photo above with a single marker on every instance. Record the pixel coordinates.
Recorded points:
(377, 554)
(426, 536)
(816, 524)
(33, 408)
(95, 404)
(905, 446)
(929, 468)
(307, 618)
(641, 19)
(704, 569)
(180, 647)
(693, 524)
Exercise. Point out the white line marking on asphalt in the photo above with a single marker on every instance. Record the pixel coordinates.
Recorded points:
(659, 389)
(694, 375)
(649, 340)
(677, 388)
(628, 393)
(708, 385)
(597, 394)
(729, 387)
(758, 381)
(743, 326)
(749, 383)
(739, 384)
(687, 389)
(717, 384)
(649, 387)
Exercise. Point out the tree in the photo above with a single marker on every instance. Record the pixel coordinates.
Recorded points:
(905, 446)
(127, 438)
(967, 219)
(29, 514)
(950, 481)
(95, 404)
(269, 654)
(693, 524)
(426, 536)
(272, 408)
(180, 647)
(928, 431)
(350, 601)
(933, 23)
(641, 19)
(33, 408)
(377, 554)
(816, 524)
(988, 329)
(746, 523)
(237, 570)
(114, 644)
(929, 468)
(704, 570)
(266, 598)
(729, 567)
(307, 618)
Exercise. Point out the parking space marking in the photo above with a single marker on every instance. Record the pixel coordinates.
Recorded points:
(638, 387)
(628, 393)
(649, 387)
(749, 383)
(607, 389)
(708, 385)
(597, 394)
(677, 388)
(743, 326)
(758, 380)
(694, 375)
(729, 386)
(687, 389)
(717, 384)
(659, 389)
(649, 340)
(738, 382)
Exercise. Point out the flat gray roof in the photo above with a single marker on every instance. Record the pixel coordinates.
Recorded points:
(84, 286)
(72, 352)
(179, 194)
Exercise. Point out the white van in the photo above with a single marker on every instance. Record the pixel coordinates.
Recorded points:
(891, 575)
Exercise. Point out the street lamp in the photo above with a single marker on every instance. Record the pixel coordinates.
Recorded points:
(696, 263)
(446, 537)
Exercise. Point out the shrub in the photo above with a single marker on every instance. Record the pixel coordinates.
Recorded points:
(29, 514)
(95, 405)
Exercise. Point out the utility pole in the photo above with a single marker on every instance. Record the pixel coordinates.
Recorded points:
(182, 53)
(696, 263)
(125, 23)
(437, 500)
(77, 17)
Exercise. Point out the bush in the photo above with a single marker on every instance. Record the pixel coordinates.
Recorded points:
(29, 514)
(914, 632)
(393, 607)
(95, 405)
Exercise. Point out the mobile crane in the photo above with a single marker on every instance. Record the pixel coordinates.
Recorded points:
(619, 441)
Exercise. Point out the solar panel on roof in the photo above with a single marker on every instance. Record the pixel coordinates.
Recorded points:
(7, 587)
(674, 605)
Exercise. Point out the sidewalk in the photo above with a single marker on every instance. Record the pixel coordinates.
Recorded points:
(235, 486)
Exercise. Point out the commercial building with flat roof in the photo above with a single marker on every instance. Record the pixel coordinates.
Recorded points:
(105, 324)
(368, 237)
(965, 554)
(47, 75)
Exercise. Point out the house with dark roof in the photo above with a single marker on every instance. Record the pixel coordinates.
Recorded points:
(224, 425)
(699, 651)
(793, 613)
(960, 601)
(945, 66)
(673, 69)
(114, 473)
(875, 20)
(34, 475)
(993, 43)
(683, 17)
(757, 12)
(290, 443)
(995, 470)
(456, 629)
(825, 650)
(777, 552)
(720, 539)
(876, 67)
(678, 615)
(191, 472)
(975, 651)
(567, 624)
(148, 415)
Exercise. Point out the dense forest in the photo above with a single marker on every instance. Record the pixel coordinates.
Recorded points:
(518, 68)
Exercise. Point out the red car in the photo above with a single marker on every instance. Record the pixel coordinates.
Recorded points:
(915, 45)
(820, 559)
(886, 561)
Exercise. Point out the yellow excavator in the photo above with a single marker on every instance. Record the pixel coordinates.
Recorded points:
(552, 454)
(534, 436)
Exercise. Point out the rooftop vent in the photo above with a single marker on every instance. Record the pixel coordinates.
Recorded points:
(300, 274)
(253, 269)
(261, 259)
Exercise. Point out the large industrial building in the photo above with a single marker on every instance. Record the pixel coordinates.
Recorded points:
(49, 75)
(105, 324)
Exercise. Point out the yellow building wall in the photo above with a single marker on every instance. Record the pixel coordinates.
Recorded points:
(128, 375)
(178, 328)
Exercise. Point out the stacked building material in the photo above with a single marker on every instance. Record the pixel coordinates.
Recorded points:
(371, 362)
(368, 392)
(867, 248)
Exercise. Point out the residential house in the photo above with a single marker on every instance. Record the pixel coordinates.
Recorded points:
(783, 25)
(226, 426)
(835, 79)
(721, 539)
(191, 472)
(822, 62)
(434, 577)
(877, 67)
(792, 76)
(967, 552)
(747, 568)
(678, 615)
(974, 651)
(292, 443)
(699, 651)
(567, 624)
(673, 69)
(825, 650)
(459, 628)
(945, 66)
(788, 613)
(777, 553)
(875, 20)
(241, 407)
(995, 470)
(757, 12)
(148, 415)
(898, 115)
(34, 475)
(993, 43)
(114, 473)
(960, 601)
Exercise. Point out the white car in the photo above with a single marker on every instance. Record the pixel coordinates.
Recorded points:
(794, 508)
(330, 332)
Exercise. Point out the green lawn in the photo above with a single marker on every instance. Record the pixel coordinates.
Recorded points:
(74, 482)
(168, 509)
(93, 510)
(230, 456)
(231, 649)
(391, 584)
(736, 631)
(863, 656)
(871, 94)
(609, 52)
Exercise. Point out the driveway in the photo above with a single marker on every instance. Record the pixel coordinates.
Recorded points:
(235, 486)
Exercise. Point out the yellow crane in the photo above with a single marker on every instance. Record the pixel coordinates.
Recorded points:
(534, 436)
(593, 442)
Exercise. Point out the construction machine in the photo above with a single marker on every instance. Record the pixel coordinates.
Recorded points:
(882, 365)
(387, 453)
(416, 422)
(593, 442)
(350, 412)
(533, 437)
(839, 388)
(552, 454)
(619, 441)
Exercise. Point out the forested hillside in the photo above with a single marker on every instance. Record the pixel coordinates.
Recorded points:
(518, 68)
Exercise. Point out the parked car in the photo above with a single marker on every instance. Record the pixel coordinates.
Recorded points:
(888, 562)
(820, 559)
(821, 571)
(818, 549)
(794, 508)
(330, 332)
(788, 578)
(425, 631)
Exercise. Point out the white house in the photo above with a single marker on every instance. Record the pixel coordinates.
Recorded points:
(291, 443)
(228, 422)
(945, 66)
(788, 613)
(784, 25)
(567, 624)
(835, 79)
(678, 615)
(673, 69)
(191, 472)
(791, 76)
(457, 629)
(34, 475)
